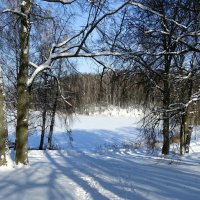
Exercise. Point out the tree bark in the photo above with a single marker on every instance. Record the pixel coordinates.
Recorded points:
(188, 127)
(165, 148)
(166, 103)
(3, 124)
(22, 89)
(187, 122)
(50, 136)
(49, 144)
(182, 135)
(44, 115)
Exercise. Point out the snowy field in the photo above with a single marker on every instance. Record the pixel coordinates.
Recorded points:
(92, 132)
(95, 167)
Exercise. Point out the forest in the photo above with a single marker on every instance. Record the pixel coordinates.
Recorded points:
(146, 55)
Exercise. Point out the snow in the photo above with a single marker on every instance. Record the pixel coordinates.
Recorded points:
(38, 70)
(86, 172)
(89, 132)
(78, 175)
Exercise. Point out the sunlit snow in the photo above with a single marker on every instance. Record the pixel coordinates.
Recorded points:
(90, 168)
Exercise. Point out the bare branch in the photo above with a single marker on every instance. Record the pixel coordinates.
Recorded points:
(94, 25)
(15, 11)
(59, 88)
(139, 5)
(61, 1)
(40, 69)
(195, 98)
(66, 53)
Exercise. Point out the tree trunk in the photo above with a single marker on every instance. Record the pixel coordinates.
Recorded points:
(44, 115)
(49, 144)
(187, 123)
(189, 119)
(165, 148)
(188, 127)
(3, 124)
(50, 136)
(166, 102)
(22, 90)
(182, 135)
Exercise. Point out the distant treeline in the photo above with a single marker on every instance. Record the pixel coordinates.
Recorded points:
(118, 88)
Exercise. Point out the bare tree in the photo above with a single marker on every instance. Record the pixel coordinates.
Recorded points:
(162, 33)
(168, 32)
(3, 123)
(74, 46)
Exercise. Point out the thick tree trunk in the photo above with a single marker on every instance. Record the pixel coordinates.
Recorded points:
(188, 127)
(187, 123)
(22, 90)
(165, 148)
(166, 102)
(3, 124)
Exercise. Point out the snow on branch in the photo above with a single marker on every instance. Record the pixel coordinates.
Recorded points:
(56, 56)
(177, 107)
(90, 27)
(167, 52)
(38, 69)
(186, 77)
(73, 46)
(195, 97)
(154, 31)
(189, 46)
(143, 7)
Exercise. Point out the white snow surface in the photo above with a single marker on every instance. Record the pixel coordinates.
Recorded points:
(94, 168)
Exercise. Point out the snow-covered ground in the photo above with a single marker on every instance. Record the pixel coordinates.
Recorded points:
(81, 176)
(91, 132)
(96, 166)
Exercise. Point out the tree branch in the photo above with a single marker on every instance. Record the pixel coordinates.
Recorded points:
(61, 1)
(143, 7)
(15, 11)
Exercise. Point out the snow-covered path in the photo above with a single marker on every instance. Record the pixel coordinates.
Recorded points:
(80, 176)
(90, 170)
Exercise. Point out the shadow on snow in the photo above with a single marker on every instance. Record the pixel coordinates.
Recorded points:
(75, 175)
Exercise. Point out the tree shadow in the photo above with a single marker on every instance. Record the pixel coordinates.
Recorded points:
(91, 139)
(77, 175)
